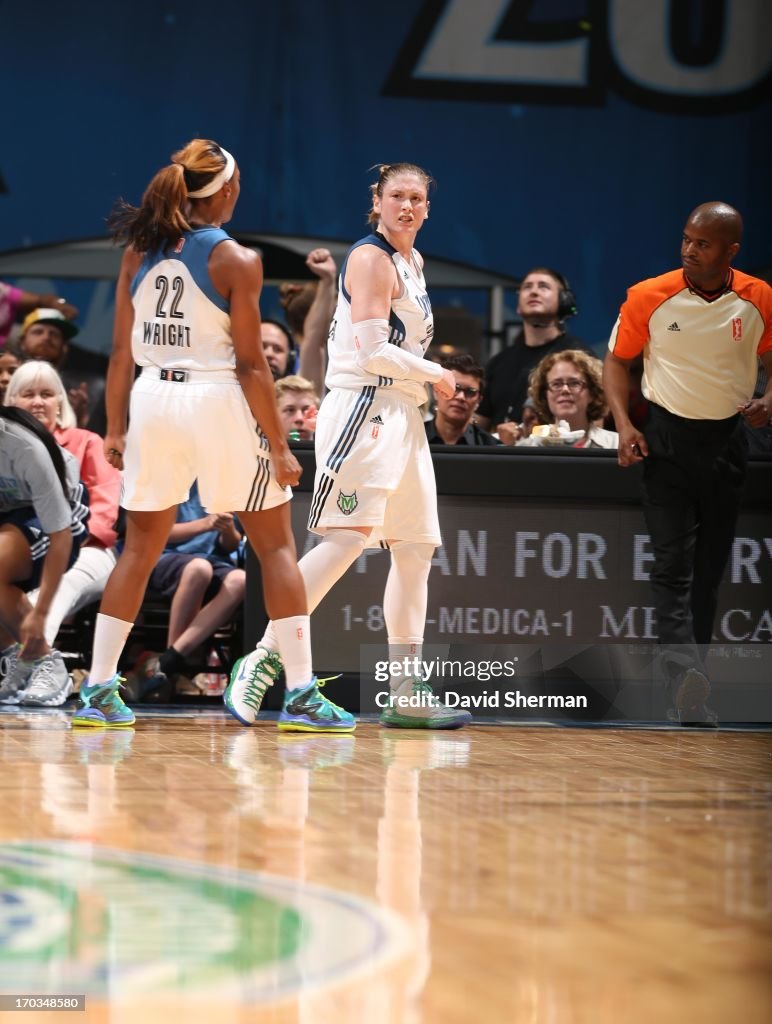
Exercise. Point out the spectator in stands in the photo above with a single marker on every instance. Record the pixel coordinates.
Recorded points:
(9, 364)
(312, 336)
(204, 586)
(300, 347)
(38, 388)
(16, 303)
(511, 433)
(279, 348)
(453, 421)
(544, 303)
(43, 513)
(47, 334)
(298, 404)
(568, 387)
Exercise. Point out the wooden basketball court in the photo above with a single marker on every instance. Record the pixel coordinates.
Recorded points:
(194, 870)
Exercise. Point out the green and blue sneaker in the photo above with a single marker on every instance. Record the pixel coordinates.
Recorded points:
(413, 705)
(250, 678)
(103, 707)
(308, 710)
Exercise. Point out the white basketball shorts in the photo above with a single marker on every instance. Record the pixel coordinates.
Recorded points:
(201, 429)
(374, 467)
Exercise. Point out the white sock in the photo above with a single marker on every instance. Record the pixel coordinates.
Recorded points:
(294, 637)
(405, 654)
(404, 606)
(321, 569)
(109, 639)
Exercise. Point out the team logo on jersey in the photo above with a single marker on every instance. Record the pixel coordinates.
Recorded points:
(737, 328)
(377, 423)
(347, 503)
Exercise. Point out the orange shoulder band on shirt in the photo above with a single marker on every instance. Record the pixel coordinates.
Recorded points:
(642, 300)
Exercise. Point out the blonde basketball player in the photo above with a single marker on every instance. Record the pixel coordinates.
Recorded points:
(374, 474)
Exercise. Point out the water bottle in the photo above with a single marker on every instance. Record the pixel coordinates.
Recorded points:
(215, 679)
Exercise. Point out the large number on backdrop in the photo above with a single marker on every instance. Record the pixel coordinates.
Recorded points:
(663, 54)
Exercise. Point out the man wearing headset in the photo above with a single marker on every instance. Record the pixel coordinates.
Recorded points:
(544, 304)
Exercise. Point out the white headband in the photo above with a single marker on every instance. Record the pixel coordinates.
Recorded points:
(218, 180)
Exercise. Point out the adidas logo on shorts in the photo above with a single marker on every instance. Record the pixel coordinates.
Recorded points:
(377, 423)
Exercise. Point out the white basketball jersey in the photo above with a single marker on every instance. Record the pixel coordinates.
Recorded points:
(411, 327)
(180, 320)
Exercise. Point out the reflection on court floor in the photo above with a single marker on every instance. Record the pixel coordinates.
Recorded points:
(195, 869)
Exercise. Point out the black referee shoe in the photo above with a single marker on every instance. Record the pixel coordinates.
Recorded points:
(689, 694)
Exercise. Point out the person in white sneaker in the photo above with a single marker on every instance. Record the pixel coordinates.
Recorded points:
(187, 313)
(374, 481)
(43, 512)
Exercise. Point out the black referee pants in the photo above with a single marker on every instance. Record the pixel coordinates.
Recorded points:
(692, 488)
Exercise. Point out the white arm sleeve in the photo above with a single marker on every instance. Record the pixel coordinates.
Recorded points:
(375, 355)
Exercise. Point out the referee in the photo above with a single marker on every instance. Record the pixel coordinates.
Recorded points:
(702, 330)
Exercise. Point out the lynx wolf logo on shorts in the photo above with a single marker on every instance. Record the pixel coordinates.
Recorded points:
(347, 503)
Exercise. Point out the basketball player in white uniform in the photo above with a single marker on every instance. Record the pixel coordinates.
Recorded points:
(374, 476)
(203, 408)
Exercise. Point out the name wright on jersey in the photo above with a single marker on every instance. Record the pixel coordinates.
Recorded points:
(165, 334)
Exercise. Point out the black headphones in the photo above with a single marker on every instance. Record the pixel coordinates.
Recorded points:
(566, 297)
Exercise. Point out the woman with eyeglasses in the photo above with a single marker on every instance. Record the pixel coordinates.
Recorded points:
(453, 422)
(566, 387)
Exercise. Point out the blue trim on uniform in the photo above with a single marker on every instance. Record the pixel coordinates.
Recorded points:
(321, 494)
(398, 331)
(26, 521)
(196, 250)
(259, 486)
(372, 239)
(81, 512)
(347, 436)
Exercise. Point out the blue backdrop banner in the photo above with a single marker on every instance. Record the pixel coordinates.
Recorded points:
(576, 133)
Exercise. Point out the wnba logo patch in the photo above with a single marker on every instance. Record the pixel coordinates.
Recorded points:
(377, 423)
(737, 328)
(347, 503)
